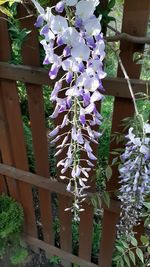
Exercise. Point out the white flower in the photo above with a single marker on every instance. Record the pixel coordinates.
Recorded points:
(73, 92)
(90, 83)
(96, 96)
(95, 2)
(85, 9)
(93, 26)
(81, 52)
(144, 150)
(70, 64)
(71, 2)
(59, 24)
(38, 7)
(147, 128)
(48, 16)
(99, 50)
(70, 37)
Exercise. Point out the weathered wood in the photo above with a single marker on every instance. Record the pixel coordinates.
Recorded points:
(39, 76)
(5, 145)
(86, 232)
(135, 19)
(37, 117)
(17, 150)
(108, 236)
(59, 252)
(48, 184)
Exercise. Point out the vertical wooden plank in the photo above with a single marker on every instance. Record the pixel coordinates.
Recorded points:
(63, 203)
(37, 118)
(135, 21)
(5, 146)
(85, 232)
(12, 113)
(86, 217)
(2, 185)
(5, 149)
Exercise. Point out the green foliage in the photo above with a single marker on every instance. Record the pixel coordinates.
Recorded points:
(11, 217)
(143, 59)
(106, 18)
(11, 221)
(129, 252)
(19, 255)
(6, 10)
(29, 146)
(54, 260)
(97, 230)
(17, 36)
(106, 198)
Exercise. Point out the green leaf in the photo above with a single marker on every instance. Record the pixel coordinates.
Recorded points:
(5, 11)
(121, 263)
(116, 258)
(140, 254)
(111, 4)
(132, 257)
(126, 258)
(144, 239)
(106, 198)
(133, 241)
(11, 2)
(108, 172)
(125, 244)
(121, 249)
(147, 205)
(148, 249)
(3, 2)
(114, 161)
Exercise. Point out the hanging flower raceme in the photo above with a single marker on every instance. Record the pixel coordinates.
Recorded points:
(78, 33)
(135, 178)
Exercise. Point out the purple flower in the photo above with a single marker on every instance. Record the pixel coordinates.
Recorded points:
(80, 139)
(59, 41)
(80, 59)
(44, 30)
(54, 71)
(54, 132)
(39, 22)
(60, 7)
(66, 51)
(78, 22)
(69, 76)
(57, 87)
(82, 119)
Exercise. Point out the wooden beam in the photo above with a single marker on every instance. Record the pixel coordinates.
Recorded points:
(50, 184)
(36, 75)
(34, 242)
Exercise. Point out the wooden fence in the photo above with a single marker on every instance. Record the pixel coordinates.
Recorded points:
(14, 166)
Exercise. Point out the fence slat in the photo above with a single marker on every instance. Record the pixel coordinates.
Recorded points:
(85, 232)
(6, 153)
(37, 118)
(135, 21)
(63, 203)
(86, 217)
(12, 113)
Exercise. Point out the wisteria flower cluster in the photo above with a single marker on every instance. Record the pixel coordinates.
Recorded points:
(135, 178)
(74, 45)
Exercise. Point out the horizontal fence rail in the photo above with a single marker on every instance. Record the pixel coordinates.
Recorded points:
(50, 184)
(34, 242)
(35, 75)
